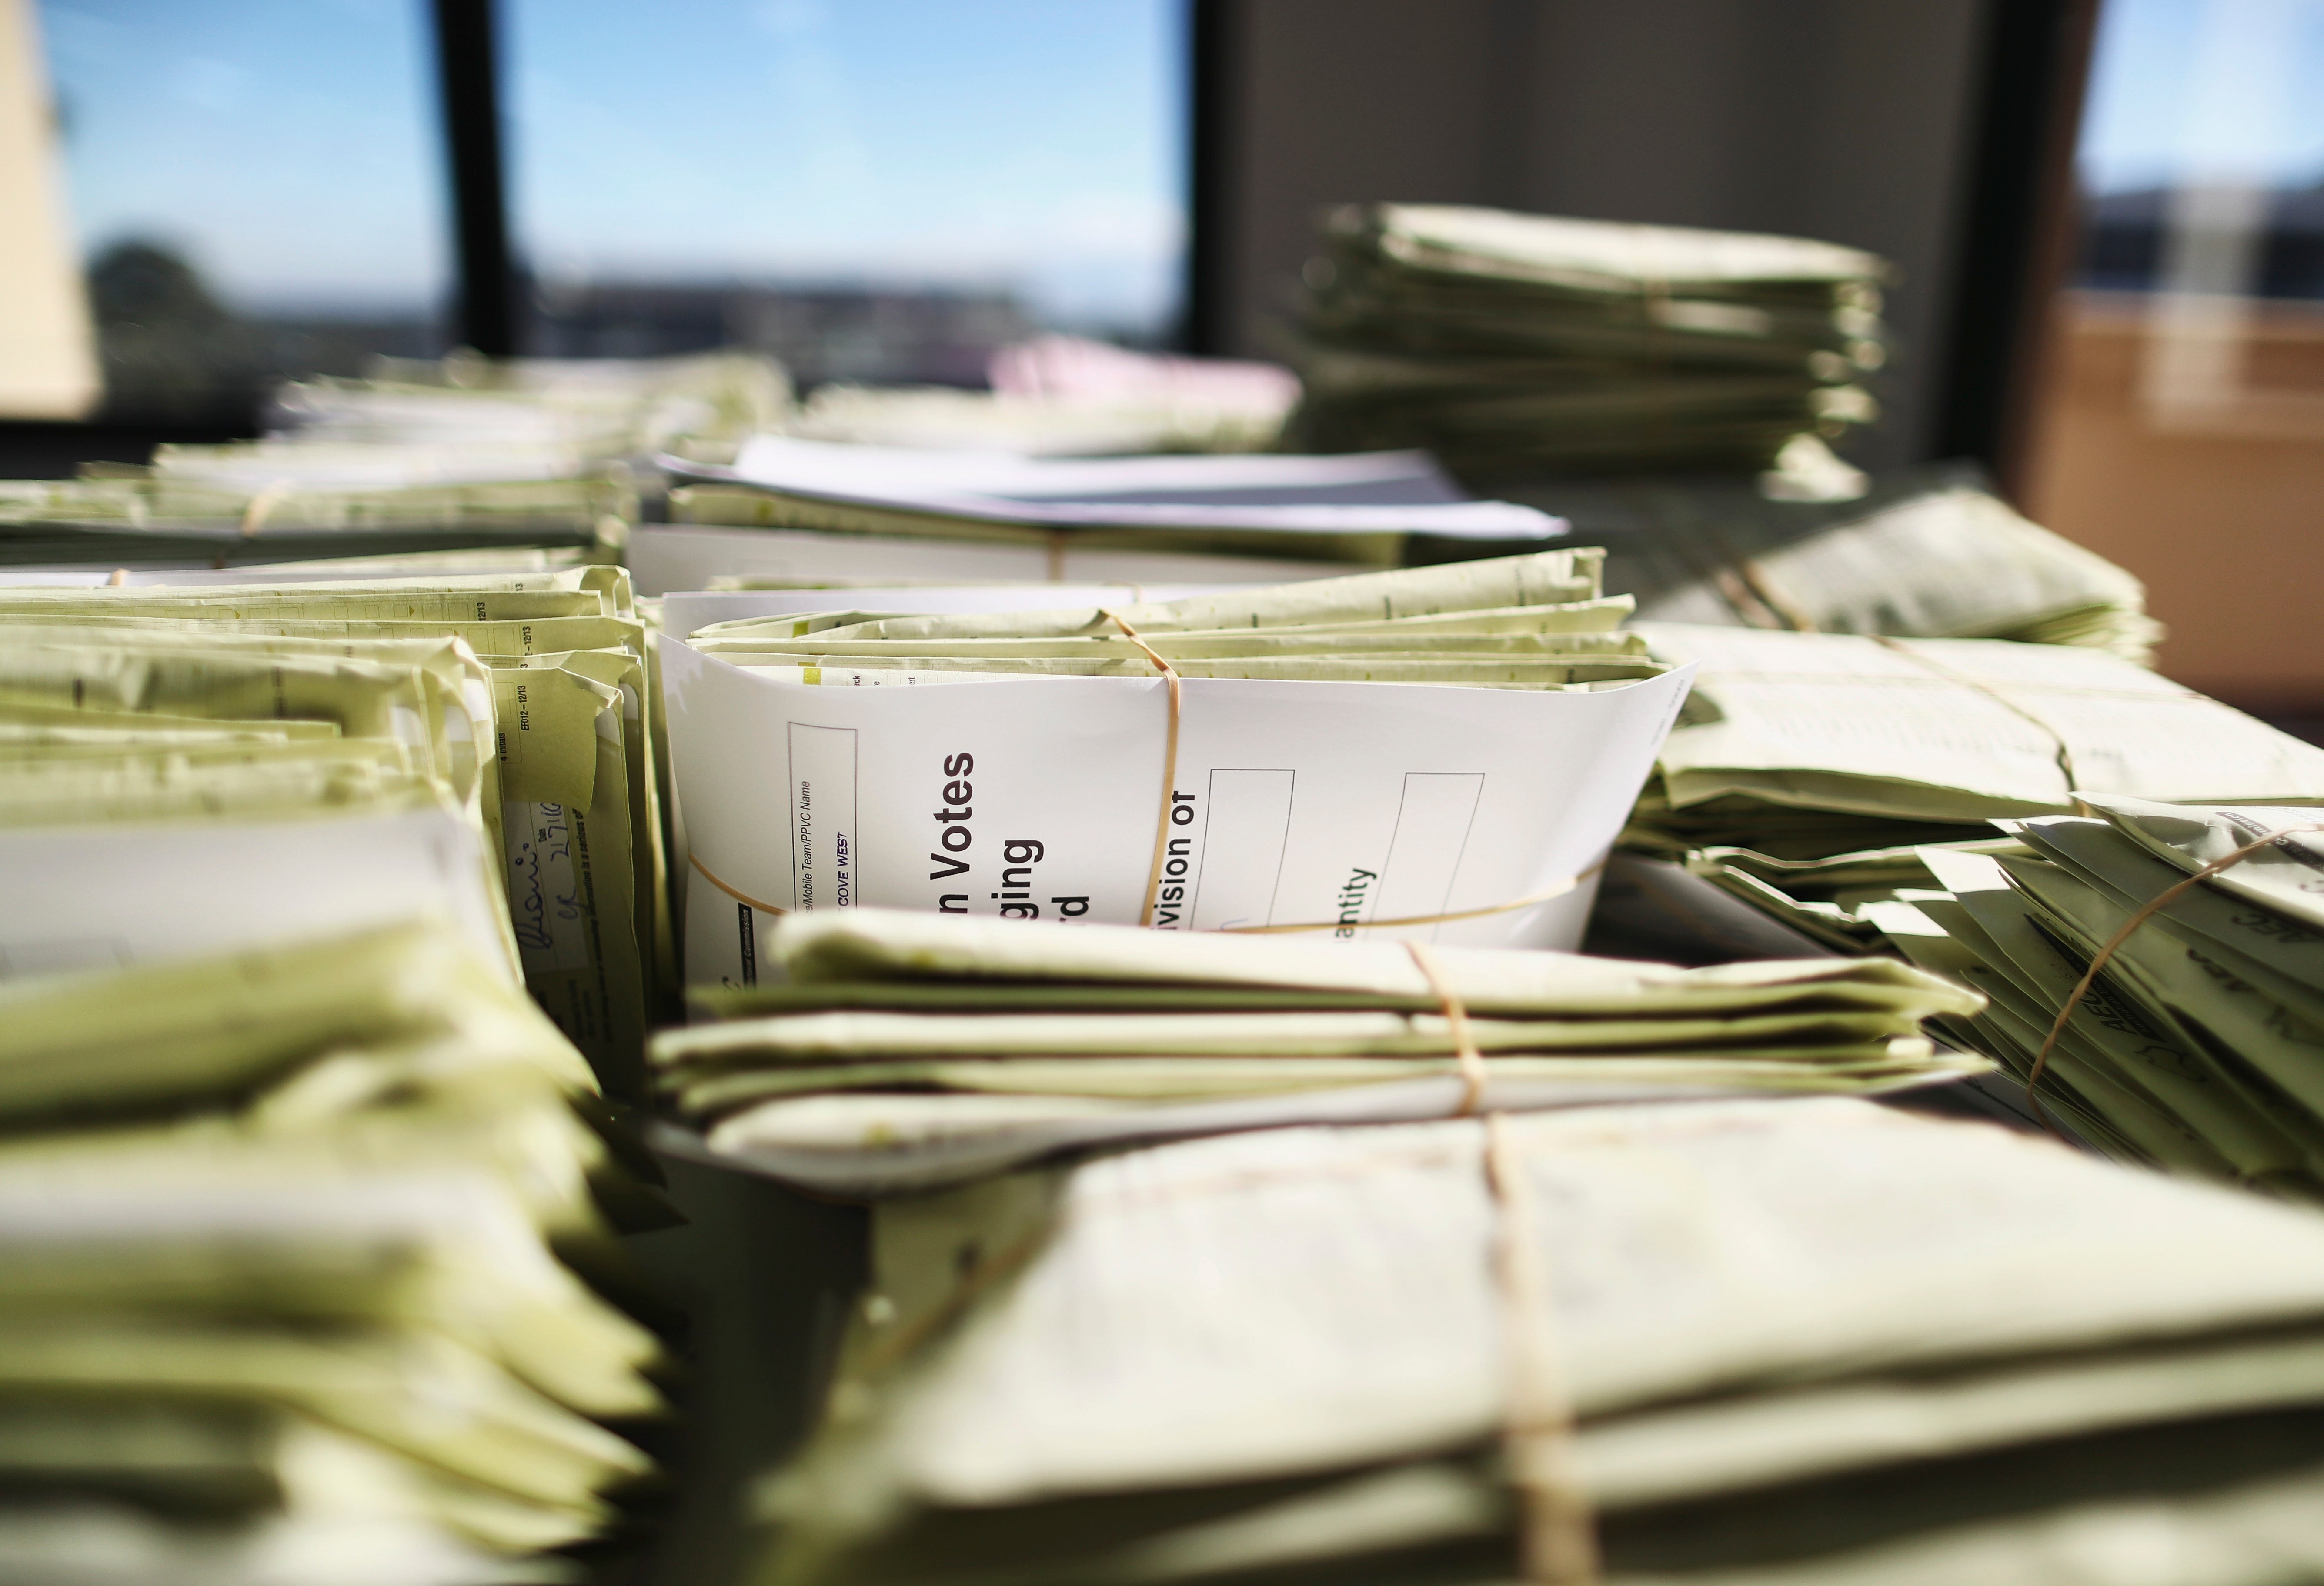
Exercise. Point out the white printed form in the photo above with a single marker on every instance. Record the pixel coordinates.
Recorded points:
(823, 817)
(1322, 808)
(1423, 856)
(1246, 823)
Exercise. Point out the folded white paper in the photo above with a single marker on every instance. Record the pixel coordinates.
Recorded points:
(1387, 492)
(1323, 804)
(1407, 478)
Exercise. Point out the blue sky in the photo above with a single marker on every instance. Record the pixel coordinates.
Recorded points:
(290, 147)
(287, 147)
(2184, 86)
(1001, 140)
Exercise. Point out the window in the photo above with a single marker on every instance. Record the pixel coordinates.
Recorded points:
(879, 190)
(255, 190)
(2182, 428)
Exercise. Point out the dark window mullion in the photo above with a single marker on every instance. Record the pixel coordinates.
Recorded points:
(467, 69)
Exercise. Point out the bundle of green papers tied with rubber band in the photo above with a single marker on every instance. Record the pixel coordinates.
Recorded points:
(900, 1049)
(1808, 1341)
(2155, 975)
(1928, 552)
(1511, 344)
(1517, 622)
(1447, 749)
(1807, 771)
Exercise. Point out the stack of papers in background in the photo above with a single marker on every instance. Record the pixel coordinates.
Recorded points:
(162, 518)
(1535, 620)
(1509, 344)
(888, 1050)
(1153, 520)
(501, 725)
(461, 453)
(307, 1213)
(418, 564)
(1068, 396)
(505, 413)
(1808, 1342)
(1928, 553)
(812, 610)
(283, 1284)
(1807, 769)
(2199, 1045)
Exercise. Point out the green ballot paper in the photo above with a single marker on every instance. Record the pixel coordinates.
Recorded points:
(430, 666)
(285, 1233)
(887, 1049)
(2165, 1015)
(1819, 1341)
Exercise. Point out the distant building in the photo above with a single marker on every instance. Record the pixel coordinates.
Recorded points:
(2123, 233)
(889, 335)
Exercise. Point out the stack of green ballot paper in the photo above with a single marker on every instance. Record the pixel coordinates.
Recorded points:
(207, 726)
(291, 1254)
(2198, 1046)
(281, 510)
(1538, 621)
(463, 452)
(1808, 770)
(488, 414)
(1512, 344)
(973, 527)
(1815, 1341)
(1927, 553)
(1040, 424)
(901, 1050)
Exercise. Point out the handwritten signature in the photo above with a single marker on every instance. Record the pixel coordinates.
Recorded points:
(535, 896)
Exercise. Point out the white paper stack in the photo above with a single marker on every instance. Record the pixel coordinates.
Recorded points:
(871, 510)
(1345, 755)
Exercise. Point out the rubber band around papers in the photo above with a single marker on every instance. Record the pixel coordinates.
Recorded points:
(1557, 889)
(735, 893)
(1557, 1539)
(1456, 1020)
(2098, 960)
(1775, 597)
(2065, 751)
(261, 505)
(1748, 588)
(1170, 767)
